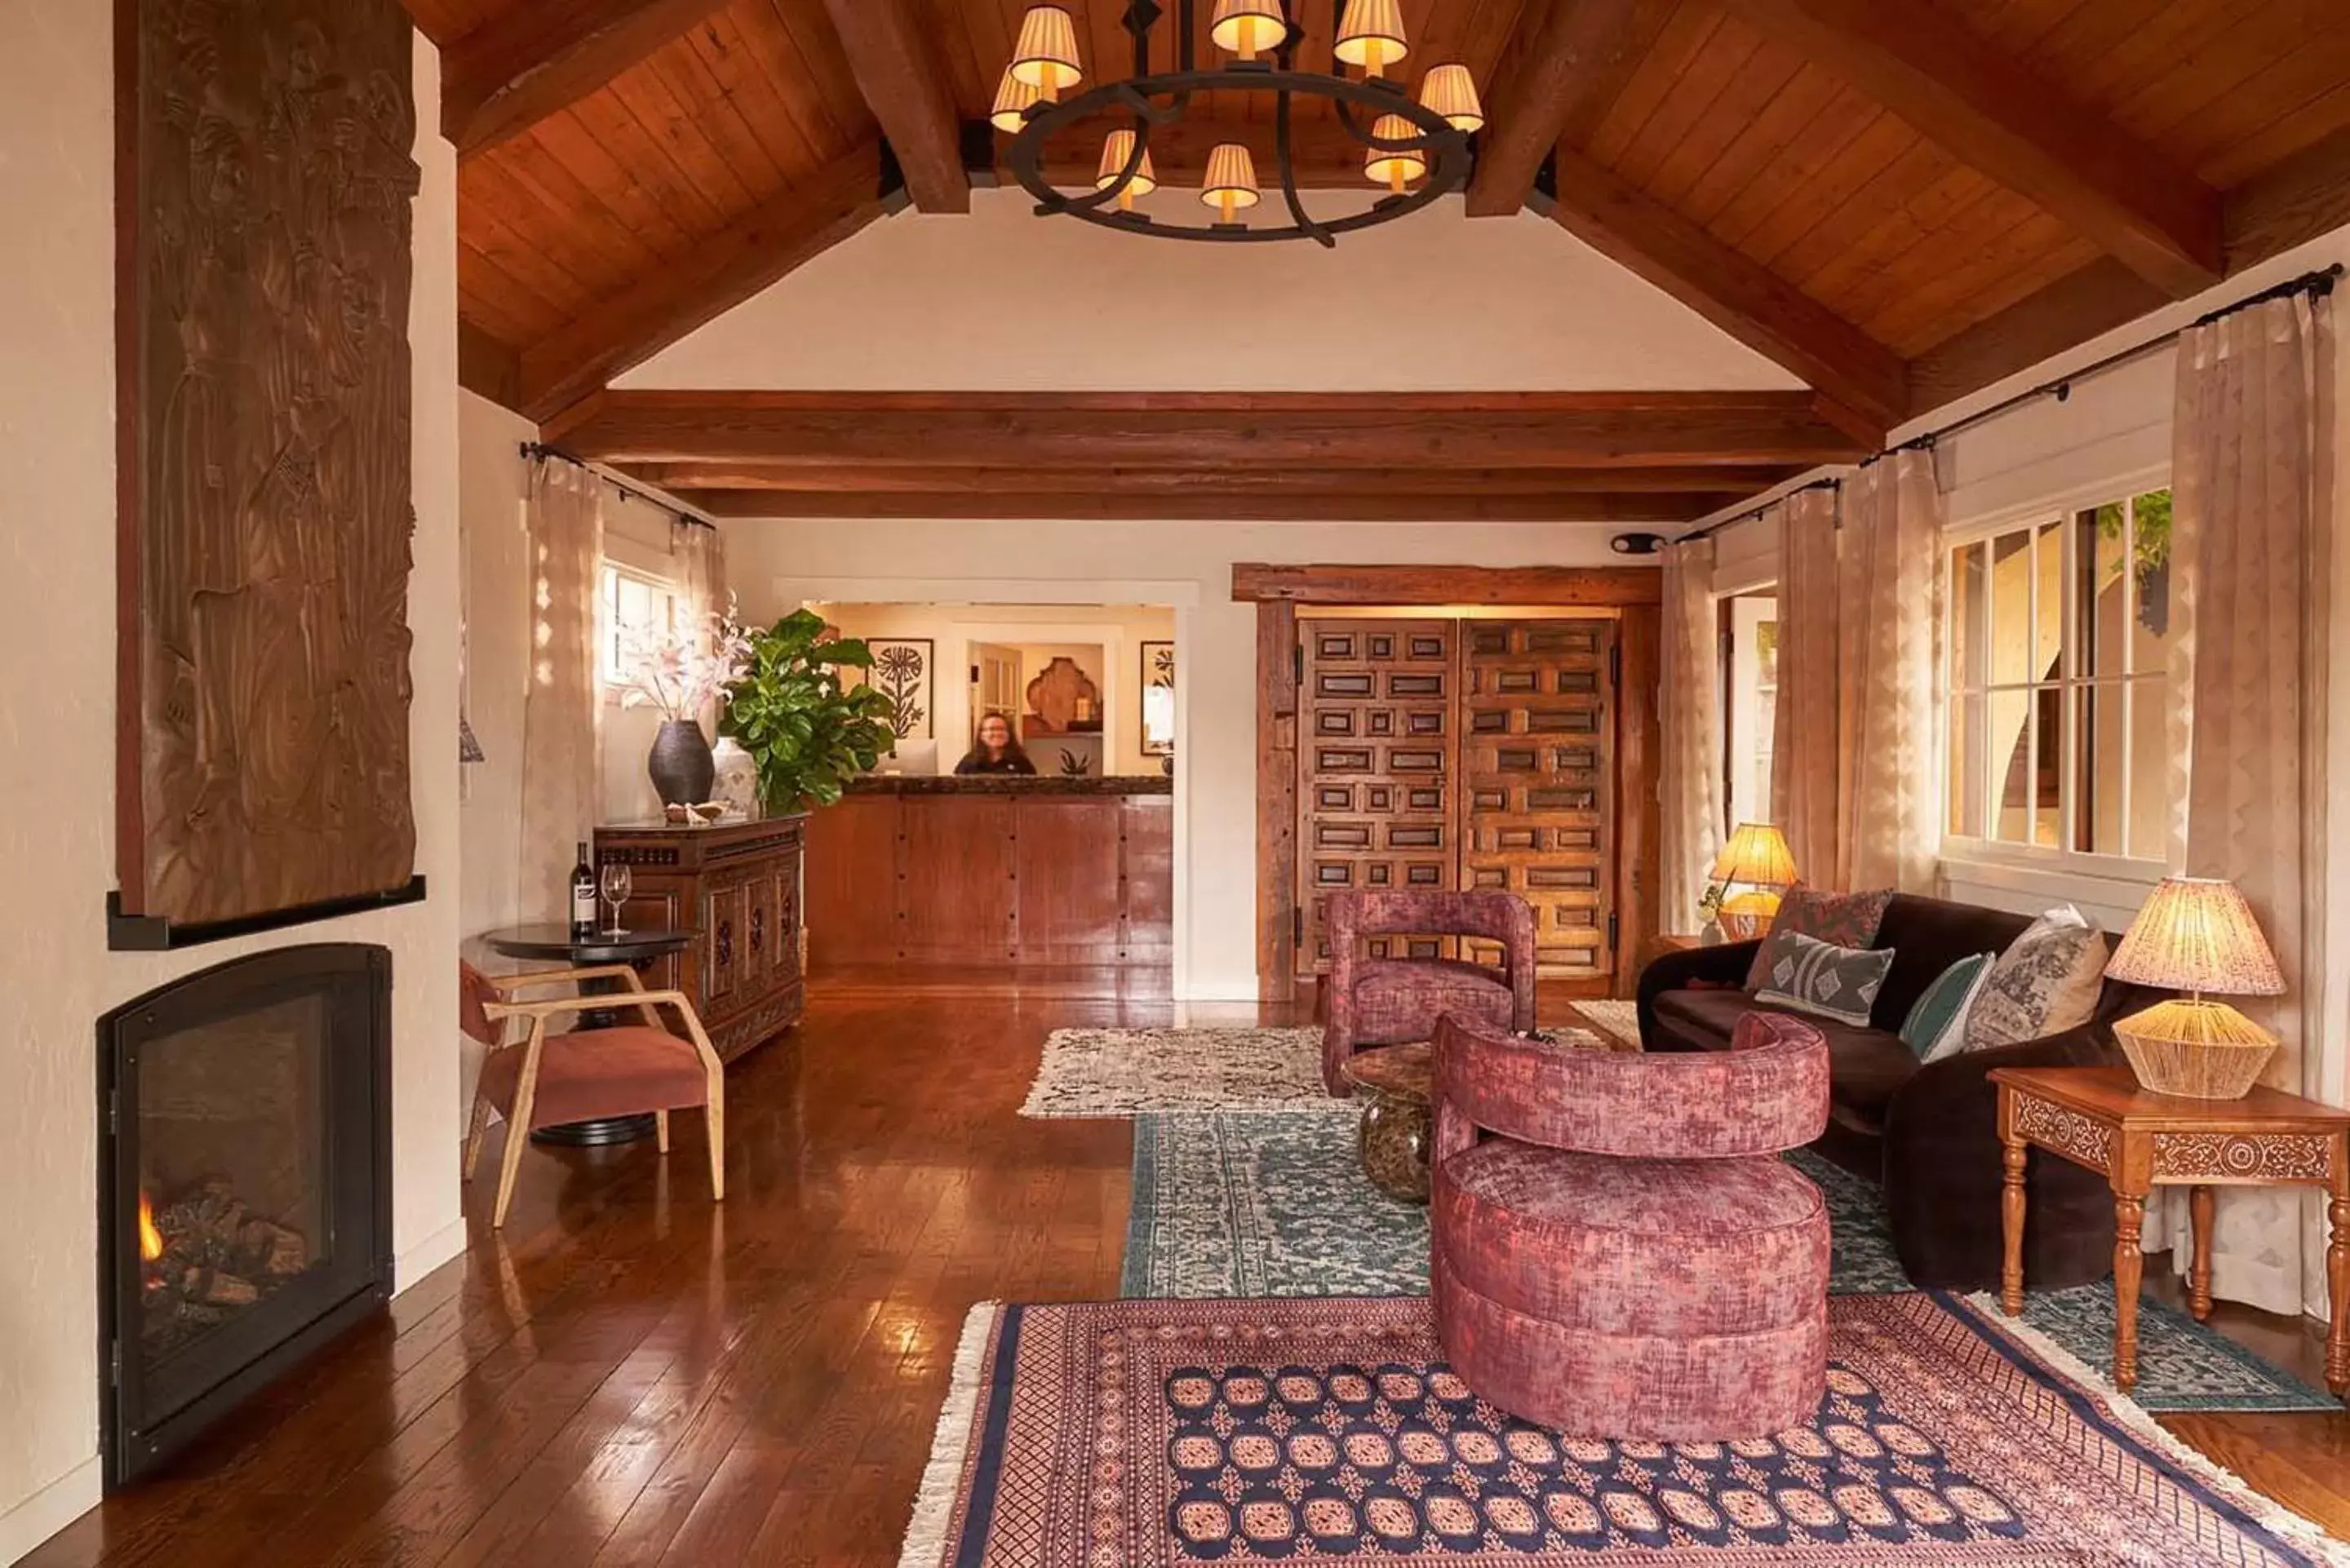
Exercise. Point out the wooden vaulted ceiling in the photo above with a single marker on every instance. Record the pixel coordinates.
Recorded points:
(1899, 200)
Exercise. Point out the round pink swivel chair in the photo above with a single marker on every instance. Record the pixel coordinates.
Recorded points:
(1618, 1249)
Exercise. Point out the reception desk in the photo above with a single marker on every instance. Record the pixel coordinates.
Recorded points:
(993, 871)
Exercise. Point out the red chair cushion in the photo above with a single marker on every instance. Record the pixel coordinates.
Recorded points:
(1397, 1002)
(598, 1072)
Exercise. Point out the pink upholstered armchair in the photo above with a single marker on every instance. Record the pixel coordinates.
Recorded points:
(1616, 1249)
(1396, 1000)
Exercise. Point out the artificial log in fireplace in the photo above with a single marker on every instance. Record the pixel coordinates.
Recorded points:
(245, 1205)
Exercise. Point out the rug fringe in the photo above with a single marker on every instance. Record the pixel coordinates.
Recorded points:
(934, 1500)
(2273, 1516)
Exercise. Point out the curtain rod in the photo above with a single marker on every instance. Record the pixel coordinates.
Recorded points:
(539, 448)
(2317, 284)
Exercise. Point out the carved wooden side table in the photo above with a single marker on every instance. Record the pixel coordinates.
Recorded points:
(2100, 1118)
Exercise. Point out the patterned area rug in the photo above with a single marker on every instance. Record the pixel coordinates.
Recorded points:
(1151, 1434)
(1254, 1205)
(1126, 1072)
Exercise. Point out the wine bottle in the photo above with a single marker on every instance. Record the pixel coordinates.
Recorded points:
(583, 899)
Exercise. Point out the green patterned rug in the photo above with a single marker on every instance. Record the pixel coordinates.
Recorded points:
(1273, 1204)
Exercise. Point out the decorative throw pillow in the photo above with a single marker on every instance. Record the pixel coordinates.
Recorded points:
(1821, 978)
(1846, 919)
(1937, 1024)
(2047, 981)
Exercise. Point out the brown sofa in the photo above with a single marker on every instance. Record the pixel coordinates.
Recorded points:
(1929, 1134)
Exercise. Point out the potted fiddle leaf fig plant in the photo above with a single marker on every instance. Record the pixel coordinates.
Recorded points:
(808, 733)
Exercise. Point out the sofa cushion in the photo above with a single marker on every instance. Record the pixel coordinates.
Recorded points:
(1823, 979)
(1675, 1247)
(1928, 936)
(1867, 1067)
(2048, 981)
(599, 1073)
(1846, 920)
(1937, 1024)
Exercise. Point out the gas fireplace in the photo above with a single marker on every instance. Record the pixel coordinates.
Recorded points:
(245, 1204)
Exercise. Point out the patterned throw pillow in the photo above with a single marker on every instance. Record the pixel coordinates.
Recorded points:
(1846, 920)
(2047, 981)
(1937, 1024)
(1821, 978)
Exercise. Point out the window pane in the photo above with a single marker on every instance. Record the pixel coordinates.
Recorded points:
(2149, 781)
(1969, 668)
(2150, 627)
(1966, 766)
(2048, 767)
(2097, 786)
(2011, 610)
(2101, 548)
(2048, 634)
(2011, 757)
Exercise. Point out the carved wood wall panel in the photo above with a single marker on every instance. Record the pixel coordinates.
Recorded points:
(1537, 784)
(1377, 752)
(265, 520)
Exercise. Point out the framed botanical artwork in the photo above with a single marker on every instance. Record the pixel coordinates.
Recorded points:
(1157, 699)
(901, 672)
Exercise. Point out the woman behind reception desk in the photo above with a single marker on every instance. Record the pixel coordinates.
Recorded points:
(995, 750)
(992, 870)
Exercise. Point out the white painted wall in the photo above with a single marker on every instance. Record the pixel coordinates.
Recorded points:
(777, 566)
(1115, 631)
(57, 741)
(1003, 300)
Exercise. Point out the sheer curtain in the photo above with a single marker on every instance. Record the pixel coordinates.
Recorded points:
(1889, 675)
(1689, 787)
(2251, 508)
(561, 787)
(1806, 742)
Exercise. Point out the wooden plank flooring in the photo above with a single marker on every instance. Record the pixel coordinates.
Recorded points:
(631, 1375)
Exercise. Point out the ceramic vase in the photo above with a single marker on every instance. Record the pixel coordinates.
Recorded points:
(681, 767)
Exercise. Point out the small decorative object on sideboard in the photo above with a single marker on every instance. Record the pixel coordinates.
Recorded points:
(682, 672)
(2197, 934)
(737, 788)
(1757, 858)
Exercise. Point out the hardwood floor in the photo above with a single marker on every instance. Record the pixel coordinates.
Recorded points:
(631, 1375)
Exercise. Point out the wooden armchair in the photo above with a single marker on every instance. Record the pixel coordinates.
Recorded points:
(577, 1076)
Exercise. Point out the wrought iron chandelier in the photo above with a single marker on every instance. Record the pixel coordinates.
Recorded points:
(1415, 151)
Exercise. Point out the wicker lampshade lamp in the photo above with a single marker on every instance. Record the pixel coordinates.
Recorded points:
(1756, 858)
(1232, 181)
(2197, 934)
(1371, 34)
(1046, 56)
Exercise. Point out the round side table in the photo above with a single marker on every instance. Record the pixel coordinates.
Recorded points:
(553, 943)
(1398, 1124)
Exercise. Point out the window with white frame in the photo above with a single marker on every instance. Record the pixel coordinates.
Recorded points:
(630, 604)
(1751, 628)
(2060, 649)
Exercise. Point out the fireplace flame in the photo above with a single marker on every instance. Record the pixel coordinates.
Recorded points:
(151, 1239)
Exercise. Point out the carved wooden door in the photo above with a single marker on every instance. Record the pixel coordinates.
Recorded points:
(1537, 784)
(1377, 753)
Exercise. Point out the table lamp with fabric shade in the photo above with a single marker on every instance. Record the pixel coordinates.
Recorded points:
(1756, 858)
(2197, 934)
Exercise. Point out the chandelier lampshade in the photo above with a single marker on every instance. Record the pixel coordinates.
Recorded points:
(1371, 36)
(1399, 168)
(1452, 92)
(1013, 98)
(1248, 28)
(1231, 180)
(1116, 151)
(1046, 57)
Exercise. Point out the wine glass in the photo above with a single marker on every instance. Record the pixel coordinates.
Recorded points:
(614, 881)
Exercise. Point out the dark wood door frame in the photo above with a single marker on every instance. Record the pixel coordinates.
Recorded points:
(1278, 592)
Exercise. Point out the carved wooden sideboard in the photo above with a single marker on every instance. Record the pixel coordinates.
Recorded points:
(736, 887)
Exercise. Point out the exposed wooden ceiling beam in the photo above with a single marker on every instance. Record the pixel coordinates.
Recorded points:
(947, 479)
(1742, 297)
(533, 59)
(889, 53)
(2306, 195)
(1219, 431)
(1220, 505)
(1565, 50)
(1962, 92)
(720, 273)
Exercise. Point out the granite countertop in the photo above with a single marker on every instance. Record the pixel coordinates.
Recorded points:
(1010, 783)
